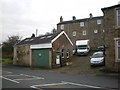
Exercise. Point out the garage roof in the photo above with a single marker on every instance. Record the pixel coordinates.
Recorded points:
(38, 40)
(42, 39)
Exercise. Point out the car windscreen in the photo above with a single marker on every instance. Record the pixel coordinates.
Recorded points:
(101, 47)
(82, 47)
(97, 55)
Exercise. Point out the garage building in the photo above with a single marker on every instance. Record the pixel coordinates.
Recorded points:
(47, 51)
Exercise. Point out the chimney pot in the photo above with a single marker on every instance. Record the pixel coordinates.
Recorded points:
(61, 19)
(74, 18)
(91, 15)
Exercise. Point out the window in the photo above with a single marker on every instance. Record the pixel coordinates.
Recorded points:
(62, 27)
(49, 36)
(84, 32)
(95, 31)
(81, 24)
(68, 54)
(43, 37)
(95, 41)
(31, 39)
(103, 30)
(118, 18)
(118, 49)
(98, 21)
(74, 33)
(57, 59)
(62, 54)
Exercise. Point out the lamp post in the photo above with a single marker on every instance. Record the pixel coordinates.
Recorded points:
(36, 32)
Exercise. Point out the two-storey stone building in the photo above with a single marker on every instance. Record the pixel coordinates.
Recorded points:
(81, 29)
(111, 24)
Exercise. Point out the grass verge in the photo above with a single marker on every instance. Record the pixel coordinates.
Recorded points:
(4, 61)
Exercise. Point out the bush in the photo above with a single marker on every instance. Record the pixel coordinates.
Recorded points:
(7, 61)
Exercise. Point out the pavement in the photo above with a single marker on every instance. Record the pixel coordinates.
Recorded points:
(109, 74)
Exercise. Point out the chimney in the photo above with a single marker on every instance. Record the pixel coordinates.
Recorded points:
(74, 18)
(61, 19)
(118, 2)
(91, 15)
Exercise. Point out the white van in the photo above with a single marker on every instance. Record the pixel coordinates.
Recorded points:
(82, 47)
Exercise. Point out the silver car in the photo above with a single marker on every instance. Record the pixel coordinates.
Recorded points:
(97, 58)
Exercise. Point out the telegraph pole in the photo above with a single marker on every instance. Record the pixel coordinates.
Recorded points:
(36, 32)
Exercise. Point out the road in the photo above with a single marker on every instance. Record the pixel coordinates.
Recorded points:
(23, 77)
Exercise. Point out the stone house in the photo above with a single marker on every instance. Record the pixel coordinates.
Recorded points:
(111, 24)
(81, 29)
(48, 51)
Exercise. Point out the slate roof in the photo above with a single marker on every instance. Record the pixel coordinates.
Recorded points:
(79, 20)
(37, 40)
(118, 5)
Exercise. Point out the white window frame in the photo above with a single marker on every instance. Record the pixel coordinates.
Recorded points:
(99, 21)
(116, 49)
(74, 33)
(118, 15)
(82, 24)
(58, 59)
(62, 27)
(95, 31)
(84, 32)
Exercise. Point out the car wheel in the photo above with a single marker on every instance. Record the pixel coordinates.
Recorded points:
(91, 65)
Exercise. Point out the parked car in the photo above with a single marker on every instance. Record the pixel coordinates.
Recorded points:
(97, 58)
(100, 48)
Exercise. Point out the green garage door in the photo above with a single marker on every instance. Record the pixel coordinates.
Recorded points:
(40, 58)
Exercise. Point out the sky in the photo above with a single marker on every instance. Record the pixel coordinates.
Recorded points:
(23, 17)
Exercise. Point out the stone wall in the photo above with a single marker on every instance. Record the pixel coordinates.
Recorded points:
(111, 32)
(22, 55)
(61, 43)
(90, 24)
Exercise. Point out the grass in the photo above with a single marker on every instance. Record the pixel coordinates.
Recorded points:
(6, 61)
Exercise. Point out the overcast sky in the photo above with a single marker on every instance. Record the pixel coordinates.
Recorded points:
(23, 17)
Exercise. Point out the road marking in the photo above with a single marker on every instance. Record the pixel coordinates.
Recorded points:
(53, 84)
(24, 75)
(64, 82)
(28, 79)
(8, 72)
(91, 86)
(12, 75)
(5, 71)
(32, 76)
(9, 79)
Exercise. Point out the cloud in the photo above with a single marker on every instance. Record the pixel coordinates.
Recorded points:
(24, 16)
(11, 16)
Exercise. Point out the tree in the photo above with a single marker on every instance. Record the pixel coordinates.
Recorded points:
(7, 48)
(47, 33)
(33, 35)
(54, 31)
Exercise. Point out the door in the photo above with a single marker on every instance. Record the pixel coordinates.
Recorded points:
(40, 58)
(58, 59)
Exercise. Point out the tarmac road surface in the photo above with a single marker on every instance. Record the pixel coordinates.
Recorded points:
(23, 77)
